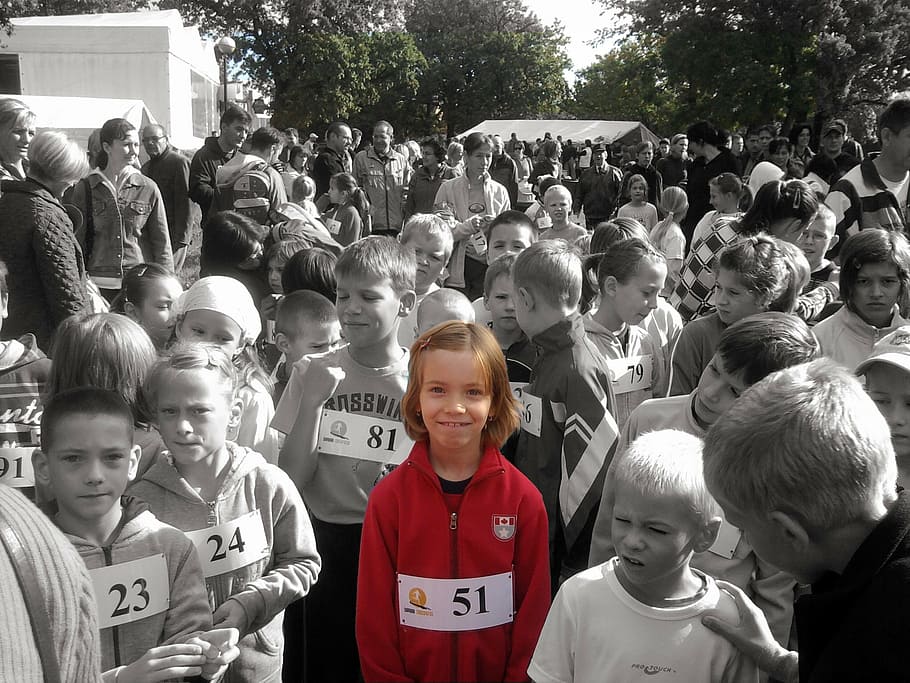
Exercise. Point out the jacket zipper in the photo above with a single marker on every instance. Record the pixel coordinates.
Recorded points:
(453, 528)
(115, 630)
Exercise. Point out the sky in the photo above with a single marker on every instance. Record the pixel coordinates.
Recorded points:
(581, 20)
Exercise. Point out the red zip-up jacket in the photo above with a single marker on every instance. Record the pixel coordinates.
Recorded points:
(409, 529)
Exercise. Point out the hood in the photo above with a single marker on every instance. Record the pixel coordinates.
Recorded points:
(239, 165)
(19, 352)
(133, 522)
(594, 328)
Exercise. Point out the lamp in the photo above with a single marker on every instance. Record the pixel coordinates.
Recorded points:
(224, 48)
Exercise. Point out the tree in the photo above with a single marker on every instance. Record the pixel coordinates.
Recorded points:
(34, 8)
(488, 58)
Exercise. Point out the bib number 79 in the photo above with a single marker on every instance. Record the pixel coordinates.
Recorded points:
(462, 598)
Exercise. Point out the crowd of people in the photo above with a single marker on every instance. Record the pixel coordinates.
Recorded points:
(490, 410)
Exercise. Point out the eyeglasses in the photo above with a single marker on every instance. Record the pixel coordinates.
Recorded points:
(156, 139)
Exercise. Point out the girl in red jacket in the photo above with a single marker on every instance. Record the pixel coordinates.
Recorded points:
(454, 577)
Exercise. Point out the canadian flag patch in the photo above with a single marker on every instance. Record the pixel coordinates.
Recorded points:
(504, 527)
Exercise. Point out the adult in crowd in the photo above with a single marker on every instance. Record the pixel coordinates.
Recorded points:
(454, 160)
(49, 621)
(217, 151)
(310, 145)
(171, 172)
(569, 159)
(874, 194)
(644, 154)
(523, 168)
(263, 199)
(474, 199)
(291, 140)
(801, 139)
(548, 163)
(294, 168)
(425, 181)
(17, 128)
(766, 133)
(383, 174)
(503, 171)
(584, 157)
(47, 280)
(124, 221)
(711, 159)
(663, 149)
(674, 168)
(331, 160)
(753, 153)
(832, 145)
(598, 189)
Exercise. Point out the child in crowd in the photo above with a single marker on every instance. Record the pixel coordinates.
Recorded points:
(303, 193)
(107, 351)
(24, 370)
(305, 324)
(726, 196)
(667, 237)
(752, 275)
(427, 528)
(887, 374)
(499, 301)
(277, 260)
(350, 214)
(232, 246)
(875, 287)
(640, 612)
(312, 269)
(219, 310)
(244, 515)
(558, 204)
(803, 464)
(430, 237)
(567, 420)
(148, 580)
(441, 306)
(745, 355)
(815, 241)
(148, 295)
(630, 277)
(355, 389)
(511, 232)
(537, 212)
(638, 206)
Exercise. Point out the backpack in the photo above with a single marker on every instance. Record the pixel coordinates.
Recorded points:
(249, 194)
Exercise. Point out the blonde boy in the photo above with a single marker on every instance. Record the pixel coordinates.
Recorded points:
(558, 203)
(816, 240)
(441, 306)
(803, 464)
(430, 238)
(639, 613)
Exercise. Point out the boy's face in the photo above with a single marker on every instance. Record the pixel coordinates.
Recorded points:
(500, 302)
(558, 206)
(276, 268)
(88, 465)
(717, 390)
(193, 414)
(889, 389)
(369, 308)
(816, 240)
(509, 238)
(431, 259)
(654, 539)
(310, 338)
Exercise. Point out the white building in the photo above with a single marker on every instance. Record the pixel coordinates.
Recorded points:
(147, 56)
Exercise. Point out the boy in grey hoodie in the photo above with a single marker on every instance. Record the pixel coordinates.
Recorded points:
(244, 515)
(147, 577)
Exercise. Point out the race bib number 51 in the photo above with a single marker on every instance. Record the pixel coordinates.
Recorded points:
(131, 591)
(455, 604)
(363, 437)
(231, 545)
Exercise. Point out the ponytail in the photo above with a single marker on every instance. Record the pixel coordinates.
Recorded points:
(361, 203)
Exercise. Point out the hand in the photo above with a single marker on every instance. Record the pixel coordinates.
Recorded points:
(478, 222)
(165, 663)
(230, 614)
(751, 635)
(268, 305)
(220, 647)
(321, 381)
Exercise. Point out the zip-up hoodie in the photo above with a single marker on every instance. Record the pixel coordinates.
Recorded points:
(141, 535)
(263, 588)
(848, 339)
(411, 529)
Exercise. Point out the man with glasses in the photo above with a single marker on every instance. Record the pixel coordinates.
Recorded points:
(171, 172)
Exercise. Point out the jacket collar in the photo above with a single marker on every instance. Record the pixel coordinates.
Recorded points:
(564, 334)
(860, 327)
(491, 462)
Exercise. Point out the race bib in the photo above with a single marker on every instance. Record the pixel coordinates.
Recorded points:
(270, 331)
(333, 226)
(631, 374)
(544, 222)
(726, 541)
(131, 591)
(531, 414)
(518, 390)
(16, 467)
(455, 604)
(363, 437)
(232, 545)
(524, 187)
(479, 242)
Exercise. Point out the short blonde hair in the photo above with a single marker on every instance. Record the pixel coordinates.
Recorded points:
(552, 270)
(429, 224)
(460, 336)
(54, 157)
(807, 441)
(15, 113)
(187, 356)
(667, 462)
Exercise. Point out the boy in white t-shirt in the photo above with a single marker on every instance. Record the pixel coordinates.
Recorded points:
(640, 614)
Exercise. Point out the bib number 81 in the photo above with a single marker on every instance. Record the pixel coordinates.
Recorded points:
(377, 440)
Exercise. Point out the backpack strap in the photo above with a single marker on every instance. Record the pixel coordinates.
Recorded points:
(89, 219)
(34, 600)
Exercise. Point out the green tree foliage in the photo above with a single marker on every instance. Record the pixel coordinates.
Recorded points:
(488, 59)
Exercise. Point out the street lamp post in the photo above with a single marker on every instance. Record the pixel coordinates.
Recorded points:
(224, 48)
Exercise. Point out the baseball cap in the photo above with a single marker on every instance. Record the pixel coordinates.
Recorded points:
(835, 125)
(893, 349)
(679, 136)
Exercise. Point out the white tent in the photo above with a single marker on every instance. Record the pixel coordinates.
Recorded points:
(78, 116)
(625, 132)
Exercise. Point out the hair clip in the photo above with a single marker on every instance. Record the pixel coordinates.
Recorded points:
(425, 343)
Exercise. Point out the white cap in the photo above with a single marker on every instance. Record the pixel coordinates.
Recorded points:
(893, 348)
(223, 295)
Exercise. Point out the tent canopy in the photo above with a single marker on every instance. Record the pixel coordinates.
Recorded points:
(624, 132)
(79, 116)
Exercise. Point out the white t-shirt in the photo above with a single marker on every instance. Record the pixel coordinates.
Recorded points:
(646, 214)
(596, 631)
(898, 189)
